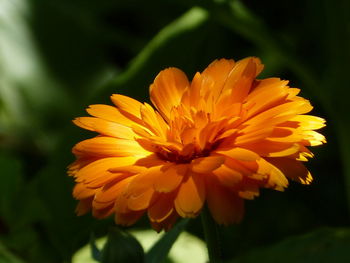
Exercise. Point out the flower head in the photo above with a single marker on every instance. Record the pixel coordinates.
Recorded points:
(215, 140)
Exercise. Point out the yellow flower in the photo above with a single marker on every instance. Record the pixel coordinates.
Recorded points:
(216, 140)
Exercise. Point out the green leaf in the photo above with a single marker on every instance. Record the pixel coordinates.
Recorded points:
(160, 250)
(95, 252)
(11, 181)
(7, 257)
(159, 52)
(323, 245)
(121, 247)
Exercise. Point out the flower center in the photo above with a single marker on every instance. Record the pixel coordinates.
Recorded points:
(187, 154)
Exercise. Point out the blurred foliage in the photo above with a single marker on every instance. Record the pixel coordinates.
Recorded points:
(121, 247)
(58, 56)
(324, 245)
(186, 246)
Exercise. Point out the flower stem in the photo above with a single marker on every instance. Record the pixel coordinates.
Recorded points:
(211, 233)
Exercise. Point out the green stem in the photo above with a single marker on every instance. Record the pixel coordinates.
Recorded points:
(212, 237)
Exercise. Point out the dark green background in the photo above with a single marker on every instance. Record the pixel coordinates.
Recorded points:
(59, 56)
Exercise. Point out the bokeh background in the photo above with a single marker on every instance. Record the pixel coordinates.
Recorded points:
(59, 56)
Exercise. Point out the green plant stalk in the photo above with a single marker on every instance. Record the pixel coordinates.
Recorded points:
(190, 21)
(212, 236)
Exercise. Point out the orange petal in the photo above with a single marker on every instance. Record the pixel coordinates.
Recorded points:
(153, 121)
(253, 136)
(166, 224)
(241, 82)
(308, 122)
(103, 212)
(121, 202)
(84, 206)
(167, 89)
(80, 191)
(127, 219)
(150, 161)
(80, 163)
(280, 113)
(240, 154)
(191, 196)
(207, 164)
(249, 191)
(268, 148)
(225, 206)
(215, 75)
(108, 146)
(106, 179)
(194, 92)
(99, 168)
(171, 178)
(144, 181)
(313, 138)
(109, 113)
(271, 95)
(129, 107)
(110, 192)
(105, 127)
(131, 169)
(142, 201)
(227, 176)
(293, 169)
(284, 134)
(276, 179)
(162, 208)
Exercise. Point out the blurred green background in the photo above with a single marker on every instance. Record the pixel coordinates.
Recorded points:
(59, 56)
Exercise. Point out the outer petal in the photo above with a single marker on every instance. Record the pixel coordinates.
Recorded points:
(240, 154)
(127, 219)
(246, 70)
(225, 206)
(105, 127)
(190, 198)
(99, 169)
(268, 148)
(109, 113)
(166, 224)
(80, 191)
(143, 200)
(84, 206)
(167, 89)
(207, 164)
(110, 192)
(162, 208)
(144, 181)
(309, 122)
(267, 96)
(129, 107)
(280, 113)
(108, 146)
(227, 176)
(276, 179)
(171, 178)
(293, 169)
(214, 77)
(153, 121)
(103, 212)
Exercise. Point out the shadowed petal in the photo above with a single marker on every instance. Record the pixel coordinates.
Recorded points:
(225, 206)
(190, 198)
(207, 164)
(293, 169)
(171, 179)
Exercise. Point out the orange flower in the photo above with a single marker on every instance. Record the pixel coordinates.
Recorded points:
(215, 140)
